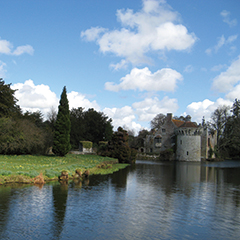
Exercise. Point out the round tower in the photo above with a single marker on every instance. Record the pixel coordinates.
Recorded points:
(188, 147)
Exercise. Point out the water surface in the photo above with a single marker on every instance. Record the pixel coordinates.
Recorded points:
(151, 200)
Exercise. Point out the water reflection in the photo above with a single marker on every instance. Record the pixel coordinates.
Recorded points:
(150, 200)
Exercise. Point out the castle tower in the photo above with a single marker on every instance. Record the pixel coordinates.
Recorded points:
(188, 147)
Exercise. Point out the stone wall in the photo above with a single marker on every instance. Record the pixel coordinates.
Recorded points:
(188, 148)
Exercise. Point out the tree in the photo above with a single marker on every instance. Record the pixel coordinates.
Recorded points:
(97, 126)
(157, 121)
(35, 117)
(218, 122)
(52, 117)
(231, 137)
(77, 127)
(21, 136)
(8, 103)
(118, 148)
(236, 108)
(61, 142)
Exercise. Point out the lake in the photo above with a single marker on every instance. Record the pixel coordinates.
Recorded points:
(150, 200)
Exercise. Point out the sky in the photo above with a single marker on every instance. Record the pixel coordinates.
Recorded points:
(129, 59)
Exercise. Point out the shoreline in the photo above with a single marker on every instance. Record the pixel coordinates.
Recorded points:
(48, 168)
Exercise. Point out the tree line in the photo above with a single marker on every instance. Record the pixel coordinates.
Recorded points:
(30, 133)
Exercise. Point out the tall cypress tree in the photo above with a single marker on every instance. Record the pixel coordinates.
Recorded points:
(61, 142)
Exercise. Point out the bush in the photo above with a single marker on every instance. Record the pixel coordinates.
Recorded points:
(166, 154)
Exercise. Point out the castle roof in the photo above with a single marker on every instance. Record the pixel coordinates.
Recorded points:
(179, 123)
(189, 124)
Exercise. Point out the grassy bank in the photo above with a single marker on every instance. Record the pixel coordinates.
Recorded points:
(24, 168)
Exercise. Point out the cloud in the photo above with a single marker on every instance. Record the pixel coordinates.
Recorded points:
(93, 33)
(123, 117)
(143, 80)
(189, 69)
(221, 42)
(147, 109)
(235, 93)
(2, 69)
(23, 49)
(79, 100)
(120, 65)
(226, 80)
(143, 111)
(218, 67)
(6, 48)
(226, 18)
(153, 28)
(205, 108)
(35, 97)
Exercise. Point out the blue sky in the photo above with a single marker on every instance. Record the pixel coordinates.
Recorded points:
(128, 59)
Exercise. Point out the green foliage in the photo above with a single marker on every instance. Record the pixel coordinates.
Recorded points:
(20, 136)
(118, 148)
(8, 106)
(89, 125)
(86, 144)
(230, 141)
(166, 154)
(61, 142)
(5, 172)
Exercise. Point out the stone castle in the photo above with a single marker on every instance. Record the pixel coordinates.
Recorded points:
(191, 142)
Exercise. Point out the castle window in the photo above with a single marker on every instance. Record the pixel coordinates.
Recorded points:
(157, 140)
(187, 152)
(163, 130)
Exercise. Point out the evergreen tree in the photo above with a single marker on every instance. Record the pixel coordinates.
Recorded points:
(61, 142)
(8, 103)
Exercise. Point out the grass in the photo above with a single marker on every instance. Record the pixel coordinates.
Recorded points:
(23, 168)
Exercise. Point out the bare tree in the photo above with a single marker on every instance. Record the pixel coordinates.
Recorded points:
(52, 116)
(218, 121)
(157, 121)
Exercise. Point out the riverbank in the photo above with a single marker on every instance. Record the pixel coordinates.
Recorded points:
(26, 168)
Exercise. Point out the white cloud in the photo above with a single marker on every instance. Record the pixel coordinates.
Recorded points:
(79, 100)
(122, 117)
(218, 67)
(226, 18)
(39, 97)
(35, 97)
(143, 111)
(147, 109)
(226, 80)
(6, 48)
(221, 42)
(2, 69)
(205, 108)
(152, 28)
(189, 69)
(235, 93)
(120, 65)
(93, 33)
(23, 49)
(142, 79)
